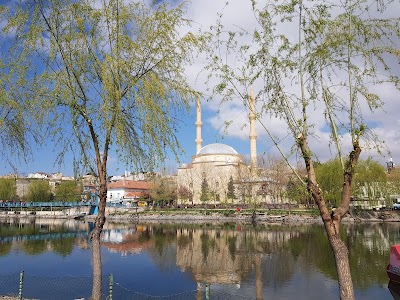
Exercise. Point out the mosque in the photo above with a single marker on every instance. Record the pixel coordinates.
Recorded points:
(218, 173)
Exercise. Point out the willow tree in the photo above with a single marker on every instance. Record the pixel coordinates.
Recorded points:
(68, 191)
(39, 191)
(330, 178)
(103, 76)
(370, 181)
(15, 130)
(8, 189)
(342, 56)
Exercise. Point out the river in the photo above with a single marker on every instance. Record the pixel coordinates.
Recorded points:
(191, 261)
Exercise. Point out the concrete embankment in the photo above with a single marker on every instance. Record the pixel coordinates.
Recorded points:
(132, 215)
(370, 216)
(170, 217)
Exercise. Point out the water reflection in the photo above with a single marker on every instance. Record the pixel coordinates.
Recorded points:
(260, 262)
(35, 236)
(127, 241)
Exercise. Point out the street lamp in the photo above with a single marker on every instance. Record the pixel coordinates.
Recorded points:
(390, 165)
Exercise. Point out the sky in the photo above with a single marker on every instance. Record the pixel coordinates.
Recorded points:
(237, 14)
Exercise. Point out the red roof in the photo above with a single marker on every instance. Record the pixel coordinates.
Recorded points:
(134, 194)
(130, 184)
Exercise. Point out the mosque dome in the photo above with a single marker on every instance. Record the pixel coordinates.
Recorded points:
(217, 148)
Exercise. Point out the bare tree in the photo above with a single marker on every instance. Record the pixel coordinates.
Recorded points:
(276, 174)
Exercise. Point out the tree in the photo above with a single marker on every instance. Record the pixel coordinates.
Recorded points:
(158, 192)
(276, 170)
(185, 194)
(15, 129)
(205, 191)
(296, 191)
(68, 191)
(328, 43)
(245, 190)
(370, 180)
(104, 77)
(39, 191)
(8, 189)
(330, 180)
(339, 59)
(187, 181)
(163, 191)
(231, 190)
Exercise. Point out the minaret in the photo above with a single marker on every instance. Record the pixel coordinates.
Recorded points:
(253, 135)
(199, 141)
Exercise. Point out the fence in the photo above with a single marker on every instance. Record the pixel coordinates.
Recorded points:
(62, 204)
(23, 286)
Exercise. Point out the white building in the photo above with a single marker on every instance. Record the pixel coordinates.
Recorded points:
(217, 164)
(127, 190)
(38, 175)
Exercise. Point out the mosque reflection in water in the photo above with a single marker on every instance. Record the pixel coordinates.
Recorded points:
(230, 255)
(216, 256)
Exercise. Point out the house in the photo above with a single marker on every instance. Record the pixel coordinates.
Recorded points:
(53, 183)
(89, 183)
(127, 190)
(22, 187)
(38, 175)
(56, 176)
(140, 176)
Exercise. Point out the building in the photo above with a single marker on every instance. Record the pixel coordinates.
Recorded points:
(139, 176)
(22, 187)
(214, 166)
(39, 175)
(127, 190)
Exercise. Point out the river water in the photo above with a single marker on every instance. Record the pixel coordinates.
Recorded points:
(191, 261)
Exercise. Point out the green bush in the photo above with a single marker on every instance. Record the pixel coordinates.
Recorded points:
(39, 191)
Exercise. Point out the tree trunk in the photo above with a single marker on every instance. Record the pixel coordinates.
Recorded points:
(342, 265)
(96, 245)
(97, 266)
(339, 248)
(332, 220)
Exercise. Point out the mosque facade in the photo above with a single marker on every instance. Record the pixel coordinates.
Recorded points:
(218, 174)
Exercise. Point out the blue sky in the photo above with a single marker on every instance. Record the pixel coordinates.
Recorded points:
(44, 157)
(386, 122)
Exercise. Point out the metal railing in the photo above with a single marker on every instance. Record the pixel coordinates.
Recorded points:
(22, 204)
(23, 286)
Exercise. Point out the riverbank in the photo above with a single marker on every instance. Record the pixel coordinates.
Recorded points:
(227, 215)
(292, 217)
